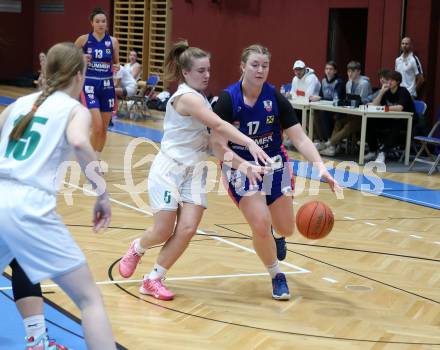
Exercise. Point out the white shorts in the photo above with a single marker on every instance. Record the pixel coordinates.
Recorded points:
(171, 183)
(33, 233)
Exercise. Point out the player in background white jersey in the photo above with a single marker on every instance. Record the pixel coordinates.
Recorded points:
(177, 179)
(38, 132)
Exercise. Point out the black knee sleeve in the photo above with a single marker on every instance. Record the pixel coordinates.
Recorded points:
(22, 287)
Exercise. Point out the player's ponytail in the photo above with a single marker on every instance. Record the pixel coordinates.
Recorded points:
(64, 61)
(181, 57)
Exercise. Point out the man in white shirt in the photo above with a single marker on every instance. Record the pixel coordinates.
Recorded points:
(305, 83)
(409, 66)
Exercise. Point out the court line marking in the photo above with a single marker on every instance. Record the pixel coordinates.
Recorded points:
(415, 236)
(249, 250)
(392, 230)
(185, 278)
(370, 223)
(328, 279)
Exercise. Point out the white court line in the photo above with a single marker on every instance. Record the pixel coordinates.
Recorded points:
(349, 218)
(186, 278)
(438, 242)
(331, 280)
(370, 223)
(415, 236)
(392, 230)
(301, 269)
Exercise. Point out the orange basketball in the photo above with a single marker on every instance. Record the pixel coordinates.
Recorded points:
(314, 220)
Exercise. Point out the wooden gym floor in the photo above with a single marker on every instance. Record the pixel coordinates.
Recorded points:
(373, 283)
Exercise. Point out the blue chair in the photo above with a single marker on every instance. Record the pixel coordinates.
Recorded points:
(285, 88)
(431, 139)
(420, 107)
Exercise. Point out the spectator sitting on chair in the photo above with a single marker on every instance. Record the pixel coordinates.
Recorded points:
(134, 66)
(348, 124)
(125, 85)
(332, 89)
(383, 79)
(305, 83)
(398, 99)
(409, 66)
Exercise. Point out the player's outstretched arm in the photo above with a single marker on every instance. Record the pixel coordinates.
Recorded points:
(78, 137)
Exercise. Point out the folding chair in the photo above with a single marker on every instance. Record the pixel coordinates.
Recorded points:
(138, 108)
(418, 119)
(431, 139)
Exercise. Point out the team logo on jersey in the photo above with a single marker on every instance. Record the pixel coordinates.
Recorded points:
(236, 123)
(89, 89)
(89, 50)
(108, 51)
(267, 105)
(107, 43)
(270, 119)
(91, 96)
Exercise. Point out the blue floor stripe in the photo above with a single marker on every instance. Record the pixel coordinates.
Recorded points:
(136, 131)
(4, 100)
(387, 188)
(390, 189)
(65, 330)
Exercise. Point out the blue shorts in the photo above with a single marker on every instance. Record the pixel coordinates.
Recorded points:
(274, 185)
(100, 94)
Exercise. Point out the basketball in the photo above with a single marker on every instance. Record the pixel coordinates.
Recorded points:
(314, 220)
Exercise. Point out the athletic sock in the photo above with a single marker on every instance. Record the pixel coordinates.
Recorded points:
(34, 326)
(138, 248)
(273, 269)
(158, 272)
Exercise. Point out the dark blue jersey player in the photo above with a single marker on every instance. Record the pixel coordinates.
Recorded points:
(260, 112)
(102, 52)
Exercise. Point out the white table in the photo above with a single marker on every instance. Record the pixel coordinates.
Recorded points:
(364, 113)
(304, 106)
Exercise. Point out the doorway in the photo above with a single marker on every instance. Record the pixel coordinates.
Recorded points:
(347, 36)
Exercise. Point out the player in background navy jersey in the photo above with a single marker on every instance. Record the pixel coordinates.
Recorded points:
(102, 51)
(260, 112)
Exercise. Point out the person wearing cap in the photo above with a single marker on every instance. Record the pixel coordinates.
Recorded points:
(305, 83)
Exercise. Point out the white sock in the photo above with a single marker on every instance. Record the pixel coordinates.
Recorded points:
(275, 234)
(328, 143)
(273, 269)
(137, 247)
(34, 326)
(158, 272)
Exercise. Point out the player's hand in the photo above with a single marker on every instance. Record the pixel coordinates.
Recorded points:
(258, 154)
(116, 68)
(324, 174)
(385, 87)
(88, 57)
(254, 173)
(102, 214)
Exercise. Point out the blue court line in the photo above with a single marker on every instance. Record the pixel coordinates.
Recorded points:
(62, 327)
(136, 131)
(383, 187)
(391, 189)
(4, 100)
(375, 185)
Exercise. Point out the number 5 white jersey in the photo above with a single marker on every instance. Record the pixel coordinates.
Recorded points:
(34, 159)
